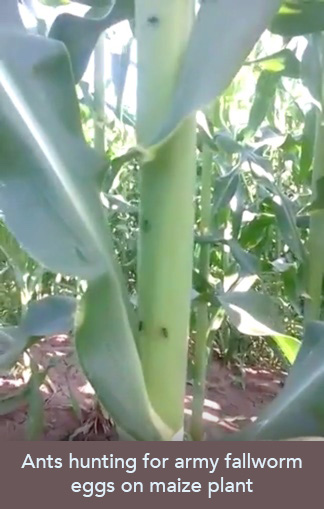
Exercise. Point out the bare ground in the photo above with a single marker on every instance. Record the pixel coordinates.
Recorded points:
(231, 401)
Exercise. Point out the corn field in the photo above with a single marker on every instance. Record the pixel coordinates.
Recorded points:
(168, 216)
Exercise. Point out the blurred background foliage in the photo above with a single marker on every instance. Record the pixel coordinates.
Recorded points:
(260, 139)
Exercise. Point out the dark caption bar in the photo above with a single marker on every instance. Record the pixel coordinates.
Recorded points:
(84, 473)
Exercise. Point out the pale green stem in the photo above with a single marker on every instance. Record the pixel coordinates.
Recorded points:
(316, 233)
(99, 110)
(99, 95)
(100, 146)
(201, 352)
(125, 58)
(167, 211)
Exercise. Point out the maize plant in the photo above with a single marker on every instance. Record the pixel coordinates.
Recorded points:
(135, 358)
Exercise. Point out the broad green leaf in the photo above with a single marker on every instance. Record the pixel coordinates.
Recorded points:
(294, 283)
(49, 316)
(275, 139)
(286, 218)
(113, 366)
(284, 212)
(254, 232)
(311, 68)
(80, 35)
(248, 262)
(220, 42)
(255, 314)
(313, 337)
(10, 14)
(264, 95)
(224, 190)
(261, 167)
(299, 18)
(289, 346)
(47, 168)
(244, 283)
(12, 344)
(283, 62)
(298, 409)
(252, 313)
(45, 164)
(224, 141)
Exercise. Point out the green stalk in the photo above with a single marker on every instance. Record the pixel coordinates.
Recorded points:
(99, 111)
(100, 146)
(316, 237)
(201, 353)
(167, 211)
(124, 65)
(99, 95)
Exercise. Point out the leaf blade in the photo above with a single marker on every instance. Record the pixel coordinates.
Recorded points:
(219, 43)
